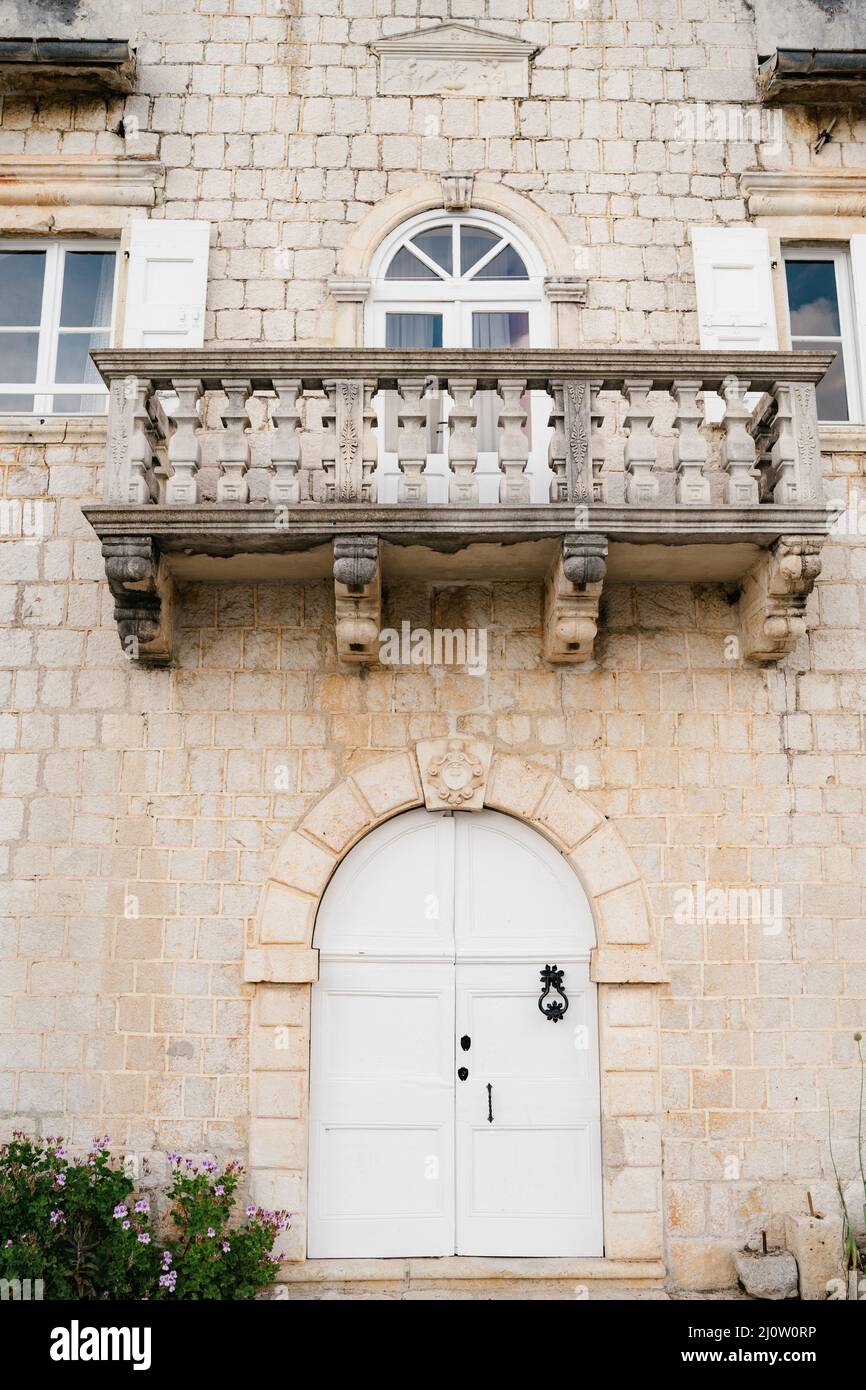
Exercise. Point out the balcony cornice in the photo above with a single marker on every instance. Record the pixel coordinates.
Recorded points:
(261, 528)
(608, 366)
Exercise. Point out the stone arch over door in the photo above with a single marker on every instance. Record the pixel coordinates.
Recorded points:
(564, 285)
(280, 959)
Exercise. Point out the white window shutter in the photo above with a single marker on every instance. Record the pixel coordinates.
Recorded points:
(734, 287)
(858, 275)
(166, 284)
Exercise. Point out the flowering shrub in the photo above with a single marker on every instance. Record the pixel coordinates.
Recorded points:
(80, 1227)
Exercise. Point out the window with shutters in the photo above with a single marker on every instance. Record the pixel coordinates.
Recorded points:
(821, 316)
(57, 301)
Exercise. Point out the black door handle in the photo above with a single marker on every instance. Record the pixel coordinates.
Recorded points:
(490, 1103)
(466, 1042)
(463, 1072)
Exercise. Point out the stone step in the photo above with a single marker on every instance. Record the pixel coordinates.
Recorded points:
(514, 1291)
(467, 1277)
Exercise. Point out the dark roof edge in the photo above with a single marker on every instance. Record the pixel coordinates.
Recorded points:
(66, 52)
(816, 62)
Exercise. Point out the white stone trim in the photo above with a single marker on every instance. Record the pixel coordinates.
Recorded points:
(40, 197)
(804, 192)
(280, 960)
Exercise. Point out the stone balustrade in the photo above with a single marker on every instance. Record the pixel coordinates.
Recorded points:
(257, 404)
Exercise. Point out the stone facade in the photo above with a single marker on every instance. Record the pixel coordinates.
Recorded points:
(147, 813)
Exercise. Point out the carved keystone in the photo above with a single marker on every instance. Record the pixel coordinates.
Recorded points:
(454, 773)
(571, 598)
(143, 598)
(773, 598)
(357, 597)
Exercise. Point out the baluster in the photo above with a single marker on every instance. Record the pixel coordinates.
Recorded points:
(329, 441)
(513, 442)
(369, 443)
(141, 484)
(795, 454)
(184, 449)
(642, 487)
(412, 439)
(557, 451)
(597, 449)
(739, 455)
(462, 441)
(690, 447)
(286, 442)
(235, 449)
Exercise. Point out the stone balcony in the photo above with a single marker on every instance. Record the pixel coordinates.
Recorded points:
(255, 463)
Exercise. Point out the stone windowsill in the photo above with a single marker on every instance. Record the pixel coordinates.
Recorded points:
(842, 439)
(47, 429)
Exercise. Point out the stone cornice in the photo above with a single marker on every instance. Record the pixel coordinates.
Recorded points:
(227, 529)
(804, 192)
(537, 365)
(70, 182)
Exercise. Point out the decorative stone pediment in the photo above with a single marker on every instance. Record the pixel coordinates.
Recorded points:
(454, 773)
(453, 60)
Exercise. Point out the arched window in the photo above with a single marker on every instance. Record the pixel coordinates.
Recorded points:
(459, 280)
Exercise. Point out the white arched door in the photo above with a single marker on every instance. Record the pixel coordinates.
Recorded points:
(455, 280)
(448, 1114)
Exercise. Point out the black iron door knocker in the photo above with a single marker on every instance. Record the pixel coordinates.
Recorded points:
(552, 979)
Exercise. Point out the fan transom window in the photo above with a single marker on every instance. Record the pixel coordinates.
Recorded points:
(456, 250)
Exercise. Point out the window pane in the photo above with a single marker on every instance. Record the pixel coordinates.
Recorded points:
(413, 330)
(80, 405)
(22, 274)
(406, 266)
(88, 287)
(73, 362)
(18, 356)
(506, 265)
(812, 298)
(831, 393)
(475, 243)
(500, 330)
(437, 244)
(16, 405)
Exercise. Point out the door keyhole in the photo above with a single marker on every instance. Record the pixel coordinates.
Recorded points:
(463, 1072)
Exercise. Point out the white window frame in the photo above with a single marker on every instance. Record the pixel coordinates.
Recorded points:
(840, 255)
(456, 297)
(451, 292)
(45, 387)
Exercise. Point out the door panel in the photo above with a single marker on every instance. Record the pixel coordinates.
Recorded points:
(529, 1180)
(382, 1110)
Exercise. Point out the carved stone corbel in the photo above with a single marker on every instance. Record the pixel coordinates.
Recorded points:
(357, 597)
(143, 598)
(773, 598)
(571, 598)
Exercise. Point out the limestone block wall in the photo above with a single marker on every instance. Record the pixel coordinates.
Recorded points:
(143, 811)
(266, 117)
